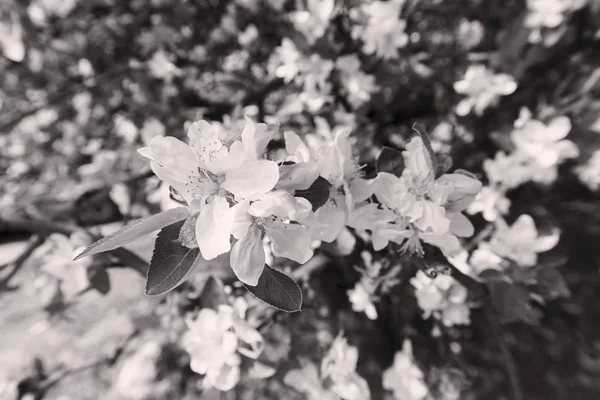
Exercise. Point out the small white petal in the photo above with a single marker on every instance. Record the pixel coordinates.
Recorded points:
(248, 257)
(251, 179)
(213, 228)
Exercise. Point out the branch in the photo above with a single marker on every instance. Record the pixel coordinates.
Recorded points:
(34, 243)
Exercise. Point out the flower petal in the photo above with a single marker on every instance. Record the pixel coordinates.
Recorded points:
(251, 179)
(213, 228)
(291, 241)
(331, 220)
(278, 203)
(248, 256)
(460, 224)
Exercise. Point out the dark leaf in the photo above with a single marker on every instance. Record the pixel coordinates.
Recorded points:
(99, 280)
(134, 230)
(171, 262)
(278, 290)
(317, 193)
(444, 164)
(390, 160)
(551, 284)
(213, 294)
(513, 303)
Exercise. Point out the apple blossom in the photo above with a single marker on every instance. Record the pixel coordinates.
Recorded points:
(483, 89)
(404, 378)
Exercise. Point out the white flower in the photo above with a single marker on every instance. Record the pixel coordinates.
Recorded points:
(521, 242)
(161, 66)
(548, 14)
(361, 298)
(491, 202)
(314, 21)
(212, 346)
(358, 85)
(211, 176)
(280, 217)
(125, 128)
(339, 364)
(546, 144)
(404, 378)
(483, 88)
(508, 171)
(443, 297)
(382, 31)
(152, 127)
(427, 208)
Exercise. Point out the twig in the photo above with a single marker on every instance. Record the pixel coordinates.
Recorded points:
(35, 242)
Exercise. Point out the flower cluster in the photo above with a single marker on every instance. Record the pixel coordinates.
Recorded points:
(216, 340)
(418, 205)
(539, 149)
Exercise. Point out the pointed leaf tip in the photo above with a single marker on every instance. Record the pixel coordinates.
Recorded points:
(134, 230)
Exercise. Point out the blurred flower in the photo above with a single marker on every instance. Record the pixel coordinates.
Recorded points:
(361, 298)
(443, 297)
(521, 242)
(161, 66)
(404, 378)
(11, 37)
(358, 85)
(152, 127)
(491, 202)
(470, 33)
(507, 171)
(285, 60)
(212, 346)
(380, 28)
(548, 14)
(339, 365)
(483, 89)
(313, 22)
(82, 102)
(125, 128)
(546, 144)
(589, 172)
(249, 35)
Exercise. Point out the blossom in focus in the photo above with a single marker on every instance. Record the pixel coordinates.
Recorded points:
(216, 170)
(443, 297)
(521, 242)
(212, 346)
(314, 21)
(491, 202)
(483, 89)
(380, 28)
(404, 378)
(357, 84)
(546, 144)
(339, 365)
(426, 208)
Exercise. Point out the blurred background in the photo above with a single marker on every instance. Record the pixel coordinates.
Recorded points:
(496, 84)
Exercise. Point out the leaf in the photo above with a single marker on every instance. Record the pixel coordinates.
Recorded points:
(390, 160)
(551, 284)
(100, 280)
(425, 137)
(135, 229)
(513, 303)
(171, 262)
(444, 164)
(278, 290)
(187, 234)
(317, 193)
